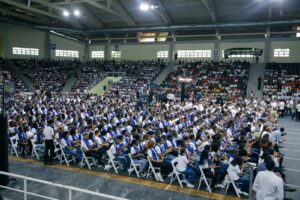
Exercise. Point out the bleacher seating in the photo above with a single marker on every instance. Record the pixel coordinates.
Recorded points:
(282, 80)
(221, 79)
(48, 74)
(17, 83)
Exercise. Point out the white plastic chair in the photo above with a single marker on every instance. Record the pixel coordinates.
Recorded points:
(112, 162)
(233, 184)
(14, 146)
(134, 167)
(176, 173)
(203, 178)
(57, 150)
(151, 170)
(67, 158)
(35, 152)
(89, 161)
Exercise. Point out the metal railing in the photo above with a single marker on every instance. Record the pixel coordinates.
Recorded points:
(70, 189)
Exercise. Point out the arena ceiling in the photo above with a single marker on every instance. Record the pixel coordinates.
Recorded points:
(123, 18)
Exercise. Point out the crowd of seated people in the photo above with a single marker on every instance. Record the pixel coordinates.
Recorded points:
(92, 72)
(135, 74)
(48, 74)
(18, 84)
(282, 83)
(216, 137)
(138, 75)
(282, 80)
(226, 79)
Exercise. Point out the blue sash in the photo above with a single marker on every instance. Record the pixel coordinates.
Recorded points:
(103, 138)
(162, 150)
(136, 149)
(68, 142)
(154, 154)
(87, 143)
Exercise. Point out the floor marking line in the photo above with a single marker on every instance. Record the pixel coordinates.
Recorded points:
(293, 170)
(133, 180)
(297, 159)
(290, 143)
(293, 185)
(284, 149)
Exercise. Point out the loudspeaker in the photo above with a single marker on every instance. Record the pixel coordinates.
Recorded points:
(3, 149)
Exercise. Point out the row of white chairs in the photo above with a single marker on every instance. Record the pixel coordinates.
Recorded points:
(90, 161)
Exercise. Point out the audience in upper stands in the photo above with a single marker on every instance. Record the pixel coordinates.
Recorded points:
(48, 74)
(18, 84)
(228, 80)
(282, 84)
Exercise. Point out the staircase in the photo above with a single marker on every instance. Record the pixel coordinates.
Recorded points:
(70, 82)
(99, 88)
(18, 71)
(165, 72)
(256, 70)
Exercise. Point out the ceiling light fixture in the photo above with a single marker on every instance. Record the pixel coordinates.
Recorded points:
(66, 13)
(76, 12)
(144, 6)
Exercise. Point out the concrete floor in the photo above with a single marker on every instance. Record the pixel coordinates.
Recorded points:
(291, 151)
(89, 182)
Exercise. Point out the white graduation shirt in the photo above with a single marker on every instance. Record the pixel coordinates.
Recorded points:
(48, 133)
(268, 186)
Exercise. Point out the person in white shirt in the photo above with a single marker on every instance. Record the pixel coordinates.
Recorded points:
(267, 184)
(235, 171)
(281, 108)
(49, 143)
(68, 148)
(137, 156)
(183, 167)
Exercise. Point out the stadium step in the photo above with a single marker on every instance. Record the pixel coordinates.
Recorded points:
(256, 70)
(20, 73)
(99, 87)
(70, 82)
(165, 73)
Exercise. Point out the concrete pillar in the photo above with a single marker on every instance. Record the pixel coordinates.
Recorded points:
(217, 51)
(267, 51)
(172, 49)
(47, 45)
(107, 52)
(86, 54)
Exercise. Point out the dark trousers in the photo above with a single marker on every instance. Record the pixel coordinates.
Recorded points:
(95, 155)
(49, 145)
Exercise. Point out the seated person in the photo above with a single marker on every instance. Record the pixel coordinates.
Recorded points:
(138, 157)
(90, 150)
(68, 148)
(235, 171)
(117, 150)
(165, 167)
(183, 167)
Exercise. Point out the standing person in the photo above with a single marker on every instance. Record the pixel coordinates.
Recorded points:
(251, 95)
(267, 184)
(298, 111)
(259, 82)
(49, 143)
(281, 108)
